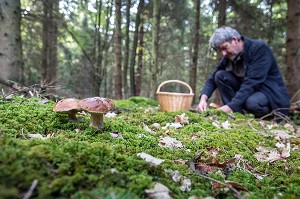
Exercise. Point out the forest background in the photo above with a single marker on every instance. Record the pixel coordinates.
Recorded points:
(123, 48)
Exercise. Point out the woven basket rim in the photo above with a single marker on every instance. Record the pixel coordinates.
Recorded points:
(177, 94)
(174, 81)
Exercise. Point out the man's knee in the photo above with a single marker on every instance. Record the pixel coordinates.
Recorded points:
(220, 75)
(251, 104)
(257, 104)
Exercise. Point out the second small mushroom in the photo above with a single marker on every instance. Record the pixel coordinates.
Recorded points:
(68, 106)
(96, 106)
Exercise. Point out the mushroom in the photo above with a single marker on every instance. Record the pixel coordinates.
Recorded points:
(96, 106)
(68, 106)
(214, 105)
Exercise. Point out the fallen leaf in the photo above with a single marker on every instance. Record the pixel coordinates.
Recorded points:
(289, 127)
(180, 161)
(286, 151)
(116, 135)
(169, 142)
(226, 125)
(150, 159)
(175, 125)
(39, 136)
(281, 134)
(110, 114)
(146, 128)
(159, 191)
(273, 156)
(182, 119)
(186, 184)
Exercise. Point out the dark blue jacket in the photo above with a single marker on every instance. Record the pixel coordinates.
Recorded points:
(262, 74)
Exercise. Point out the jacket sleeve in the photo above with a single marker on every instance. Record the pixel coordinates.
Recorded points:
(258, 65)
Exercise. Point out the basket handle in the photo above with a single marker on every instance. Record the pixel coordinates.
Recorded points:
(176, 81)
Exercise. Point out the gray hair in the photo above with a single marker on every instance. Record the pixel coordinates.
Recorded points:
(221, 35)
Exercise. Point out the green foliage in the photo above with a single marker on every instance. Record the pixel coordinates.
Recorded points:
(79, 161)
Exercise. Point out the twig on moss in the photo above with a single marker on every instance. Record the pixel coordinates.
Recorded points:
(31, 189)
(249, 123)
(295, 95)
(22, 133)
(238, 195)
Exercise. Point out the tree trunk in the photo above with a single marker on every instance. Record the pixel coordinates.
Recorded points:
(293, 47)
(49, 56)
(118, 52)
(107, 90)
(154, 61)
(221, 6)
(126, 51)
(11, 64)
(193, 69)
(97, 72)
(140, 59)
(134, 47)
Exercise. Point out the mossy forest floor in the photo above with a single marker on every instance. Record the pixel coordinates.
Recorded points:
(144, 153)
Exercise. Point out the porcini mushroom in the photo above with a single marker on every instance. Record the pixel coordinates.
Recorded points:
(68, 106)
(214, 105)
(96, 106)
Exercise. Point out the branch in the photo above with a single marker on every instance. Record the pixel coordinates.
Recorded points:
(32, 187)
(8, 83)
(238, 195)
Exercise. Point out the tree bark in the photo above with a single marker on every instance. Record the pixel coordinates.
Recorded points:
(11, 64)
(293, 47)
(49, 56)
(193, 68)
(118, 52)
(126, 50)
(97, 69)
(140, 59)
(221, 6)
(134, 47)
(154, 61)
(107, 86)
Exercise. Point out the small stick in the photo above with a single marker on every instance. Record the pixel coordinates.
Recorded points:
(32, 187)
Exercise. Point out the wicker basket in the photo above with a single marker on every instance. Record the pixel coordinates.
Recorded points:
(174, 101)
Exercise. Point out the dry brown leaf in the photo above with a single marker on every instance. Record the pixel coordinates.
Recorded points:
(182, 119)
(169, 142)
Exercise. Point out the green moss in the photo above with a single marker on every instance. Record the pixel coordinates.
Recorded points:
(79, 161)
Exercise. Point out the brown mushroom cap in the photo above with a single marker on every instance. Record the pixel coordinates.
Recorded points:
(67, 105)
(96, 105)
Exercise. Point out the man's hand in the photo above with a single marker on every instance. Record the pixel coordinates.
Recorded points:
(225, 108)
(202, 104)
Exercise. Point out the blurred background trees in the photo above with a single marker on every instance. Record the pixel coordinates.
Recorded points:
(122, 48)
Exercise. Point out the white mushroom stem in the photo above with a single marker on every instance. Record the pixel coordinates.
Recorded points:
(97, 120)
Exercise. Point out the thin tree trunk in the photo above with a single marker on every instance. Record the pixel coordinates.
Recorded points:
(11, 64)
(126, 50)
(49, 56)
(154, 60)
(193, 69)
(221, 6)
(118, 52)
(97, 66)
(140, 59)
(134, 47)
(293, 47)
(105, 49)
